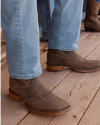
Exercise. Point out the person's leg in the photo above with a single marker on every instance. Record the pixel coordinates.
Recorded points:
(20, 26)
(64, 36)
(65, 27)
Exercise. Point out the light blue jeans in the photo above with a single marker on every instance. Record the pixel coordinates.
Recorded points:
(20, 26)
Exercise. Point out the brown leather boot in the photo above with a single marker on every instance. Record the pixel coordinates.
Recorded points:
(91, 22)
(58, 59)
(37, 97)
(99, 12)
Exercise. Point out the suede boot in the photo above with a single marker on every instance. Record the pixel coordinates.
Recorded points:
(58, 59)
(37, 97)
(91, 22)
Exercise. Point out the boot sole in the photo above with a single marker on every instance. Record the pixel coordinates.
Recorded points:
(48, 113)
(18, 98)
(61, 68)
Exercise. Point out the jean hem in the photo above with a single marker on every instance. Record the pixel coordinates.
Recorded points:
(26, 76)
(64, 49)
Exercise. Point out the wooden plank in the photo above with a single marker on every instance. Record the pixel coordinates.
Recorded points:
(43, 45)
(80, 99)
(43, 58)
(92, 116)
(3, 55)
(2, 35)
(2, 64)
(3, 48)
(82, 26)
(84, 34)
(12, 112)
(36, 120)
(4, 82)
(97, 37)
(3, 41)
(68, 85)
(86, 46)
(91, 36)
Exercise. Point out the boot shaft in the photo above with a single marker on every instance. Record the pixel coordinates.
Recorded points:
(92, 9)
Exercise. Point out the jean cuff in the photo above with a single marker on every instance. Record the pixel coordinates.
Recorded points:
(26, 76)
(64, 49)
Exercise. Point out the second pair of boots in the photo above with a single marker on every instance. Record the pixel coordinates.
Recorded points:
(92, 23)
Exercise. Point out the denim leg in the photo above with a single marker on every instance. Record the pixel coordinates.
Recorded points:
(20, 26)
(66, 23)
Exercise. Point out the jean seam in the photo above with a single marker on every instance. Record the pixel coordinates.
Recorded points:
(59, 27)
(18, 34)
(60, 21)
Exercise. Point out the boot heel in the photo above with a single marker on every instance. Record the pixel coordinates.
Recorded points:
(88, 29)
(14, 96)
(55, 68)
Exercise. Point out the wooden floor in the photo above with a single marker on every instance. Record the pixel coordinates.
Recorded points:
(81, 90)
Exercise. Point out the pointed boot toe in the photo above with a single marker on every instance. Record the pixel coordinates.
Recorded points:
(37, 97)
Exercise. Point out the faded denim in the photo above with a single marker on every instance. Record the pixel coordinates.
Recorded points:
(66, 23)
(20, 26)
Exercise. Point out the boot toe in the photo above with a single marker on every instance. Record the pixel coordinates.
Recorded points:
(59, 106)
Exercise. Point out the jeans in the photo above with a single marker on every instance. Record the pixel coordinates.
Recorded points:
(21, 30)
(65, 27)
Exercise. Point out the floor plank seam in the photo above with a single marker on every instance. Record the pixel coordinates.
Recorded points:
(92, 38)
(23, 118)
(61, 80)
(88, 106)
(85, 36)
(3, 72)
(51, 120)
(92, 50)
